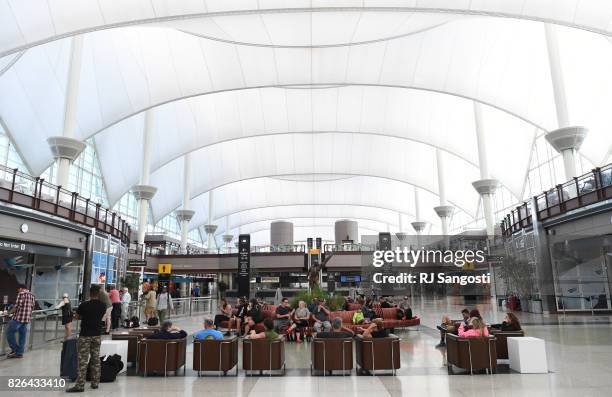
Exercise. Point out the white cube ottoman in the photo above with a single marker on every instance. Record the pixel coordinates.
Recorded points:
(527, 355)
(120, 347)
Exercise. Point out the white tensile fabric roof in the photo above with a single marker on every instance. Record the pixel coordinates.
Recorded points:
(305, 109)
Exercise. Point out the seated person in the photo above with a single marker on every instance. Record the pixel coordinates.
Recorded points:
(283, 317)
(254, 315)
(477, 329)
(347, 303)
(368, 311)
(338, 331)
(301, 316)
(375, 330)
(384, 303)
(312, 306)
(269, 333)
(168, 331)
(209, 332)
(474, 313)
(238, 315)
(321, 317)
(224, 312)
(510, 323)
(449, 326)
(406, 309)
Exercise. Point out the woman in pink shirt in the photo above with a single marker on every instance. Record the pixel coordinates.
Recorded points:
(478, 329)
(115, 299)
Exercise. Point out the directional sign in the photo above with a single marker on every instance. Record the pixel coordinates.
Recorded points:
(137, 263)
(164, 268)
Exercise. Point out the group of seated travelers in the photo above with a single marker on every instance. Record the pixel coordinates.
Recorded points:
(472, 325)
(246, 315)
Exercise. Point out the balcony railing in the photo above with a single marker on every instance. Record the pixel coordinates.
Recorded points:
(32, 192)
(581, 191)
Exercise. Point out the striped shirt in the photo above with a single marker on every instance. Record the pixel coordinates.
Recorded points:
(24, 306)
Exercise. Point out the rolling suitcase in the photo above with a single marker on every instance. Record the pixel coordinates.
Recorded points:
(69, 360)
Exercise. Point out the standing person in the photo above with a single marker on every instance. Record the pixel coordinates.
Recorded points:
(150, 298)
(22, 315)
(164, 304)
(90, 313)
(66, 315)
(104, 298)
(116, 303)
(126, 298)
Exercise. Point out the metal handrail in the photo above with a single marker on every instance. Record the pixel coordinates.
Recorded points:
(44, 316)
(25, 190)
(583, 190)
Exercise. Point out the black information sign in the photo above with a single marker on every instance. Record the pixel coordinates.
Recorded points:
(384, 244)
(309, 243)
(319, 243)
(384, 241)
(244, 265)
(137, 263)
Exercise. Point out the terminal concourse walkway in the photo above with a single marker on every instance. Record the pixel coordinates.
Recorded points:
(579, 348)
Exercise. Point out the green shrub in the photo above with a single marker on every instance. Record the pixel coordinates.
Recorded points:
(334, 303)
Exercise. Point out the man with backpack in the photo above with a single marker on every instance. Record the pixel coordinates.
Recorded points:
(88, 345)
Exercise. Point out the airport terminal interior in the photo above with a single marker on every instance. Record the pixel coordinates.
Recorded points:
(388, 198)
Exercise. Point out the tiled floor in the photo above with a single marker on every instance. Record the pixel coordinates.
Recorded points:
(579, 349)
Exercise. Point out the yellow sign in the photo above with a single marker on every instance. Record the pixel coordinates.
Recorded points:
(314, 251)
(164, 268)
(469, 266)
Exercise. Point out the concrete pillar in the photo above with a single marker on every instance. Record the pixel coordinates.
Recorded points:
(66, 148)
(567, 139)
(345, 229)
(144, 192)
(567, 142)
(281, 233)
(184, 216)
(444, 210)
(485, 186)
(210, 228)
(418, 225)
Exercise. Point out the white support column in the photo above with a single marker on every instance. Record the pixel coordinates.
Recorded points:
(567, 139)
(227, 237)
(418, 225)
(144, 192)
(210, 228)
(444, 211)
(185, 214)
(486, 186)
(66, 148)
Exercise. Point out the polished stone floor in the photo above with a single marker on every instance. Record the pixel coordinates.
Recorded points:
(579, 349)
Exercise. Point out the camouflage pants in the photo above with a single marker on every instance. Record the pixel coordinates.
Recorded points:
(89, 355)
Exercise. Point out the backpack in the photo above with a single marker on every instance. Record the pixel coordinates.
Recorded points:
(110, 366)
(358, 317)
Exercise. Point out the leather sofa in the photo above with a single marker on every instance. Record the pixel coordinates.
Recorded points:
(389, 317)
(377, 354)
(263, 355)
(215, 355)
(502, 341)
(160, 356)
(331, 354)
(476, 353)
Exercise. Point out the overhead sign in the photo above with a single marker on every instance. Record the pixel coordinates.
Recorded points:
(30, 248)
(314, 251)
(164, 268)
(137, 263)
